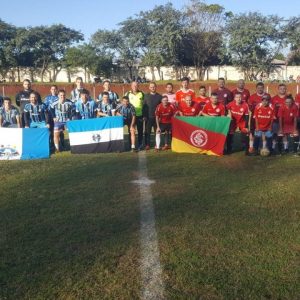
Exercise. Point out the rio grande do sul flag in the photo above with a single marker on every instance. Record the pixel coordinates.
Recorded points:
(205, 135)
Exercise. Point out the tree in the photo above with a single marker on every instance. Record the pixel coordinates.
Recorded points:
(71, 61)
(38, 48)
(118, 44)
(292, 33)
(55, 67)
(280, 56)
(23, 52)
(164, 34)
(7, 34)
(103, 66)
(53, 43)
(86, 56)
(253, 41)
(152, 37)
(203, 41)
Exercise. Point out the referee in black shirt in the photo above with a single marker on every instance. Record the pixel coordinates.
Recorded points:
(151, 100)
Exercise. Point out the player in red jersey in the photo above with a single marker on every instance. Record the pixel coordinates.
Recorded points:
(238, 111)
(264, 116)
(202, 99)
(223, 94)
(240, 89)
(164, 114)
(213, 108)
(280, 98)
(287, 115)
(278, 101)
(170, 94)
(185, 90)
(254, 100)
(190, 109)
(297, 102)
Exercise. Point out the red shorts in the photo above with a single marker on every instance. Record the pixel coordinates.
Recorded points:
(234, 126)
(288, 129)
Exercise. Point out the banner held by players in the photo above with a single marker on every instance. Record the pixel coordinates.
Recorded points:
(28, 143)
(205, 135)
(96, 135)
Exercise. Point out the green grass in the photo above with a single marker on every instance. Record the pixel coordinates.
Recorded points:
(69, 228)
(228, 227)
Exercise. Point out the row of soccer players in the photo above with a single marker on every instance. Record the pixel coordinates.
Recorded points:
(55, 115)
(257, 116)
(145, 104)
(285, 111)
(255, 126)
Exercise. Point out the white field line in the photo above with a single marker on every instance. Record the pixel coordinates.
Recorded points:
(151, 272)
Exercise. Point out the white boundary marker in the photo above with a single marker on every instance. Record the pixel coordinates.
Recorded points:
(151, 272)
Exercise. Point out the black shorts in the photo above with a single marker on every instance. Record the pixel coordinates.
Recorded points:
(165, 127)
(127, 123)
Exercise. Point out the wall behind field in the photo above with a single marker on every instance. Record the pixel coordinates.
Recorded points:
(214, 72)
(166, 73)
(12, 89)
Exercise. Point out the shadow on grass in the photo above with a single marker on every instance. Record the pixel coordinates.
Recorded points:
(69, 230)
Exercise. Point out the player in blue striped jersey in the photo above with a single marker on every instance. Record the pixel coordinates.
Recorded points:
(52, 97)
(75, 93)
(49, 100)
(105, 107)
(35, 114)
(9, 115)
(85, 107)
(113, 97)
(127, 111)
(62, 111)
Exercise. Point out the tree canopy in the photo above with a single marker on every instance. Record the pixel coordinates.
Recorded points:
(253, 41)
(198, 35)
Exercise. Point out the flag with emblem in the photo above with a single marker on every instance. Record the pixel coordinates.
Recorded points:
(96, 135)
(204, 135)
(24, 143)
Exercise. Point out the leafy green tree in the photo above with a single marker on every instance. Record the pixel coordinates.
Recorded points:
(253, 41)
(280, 56)
(292, 33)
(163, 37)
(204, 38)
(23, 52)
(54, 41)
(71, 61)
(152, 37)
(87, 57)
(38, 48)
(118, 44)
(7, 34)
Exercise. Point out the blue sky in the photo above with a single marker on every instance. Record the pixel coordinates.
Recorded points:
(90, 15)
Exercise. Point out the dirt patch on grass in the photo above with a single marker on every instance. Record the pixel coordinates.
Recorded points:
(234, 162)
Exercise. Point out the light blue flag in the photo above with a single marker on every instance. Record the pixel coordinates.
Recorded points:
(28, 143)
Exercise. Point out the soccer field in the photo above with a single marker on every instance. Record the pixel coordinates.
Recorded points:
(227, 228)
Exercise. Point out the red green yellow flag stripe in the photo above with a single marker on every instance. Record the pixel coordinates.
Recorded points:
(206, 135)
